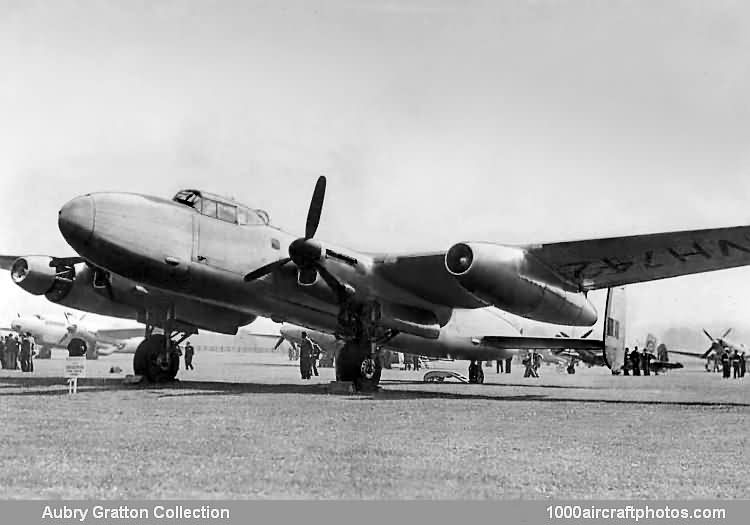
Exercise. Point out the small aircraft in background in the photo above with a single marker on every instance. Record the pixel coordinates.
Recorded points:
(72, 335)
(719, 345)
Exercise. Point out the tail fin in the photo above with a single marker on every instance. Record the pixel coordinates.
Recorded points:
(614, 329)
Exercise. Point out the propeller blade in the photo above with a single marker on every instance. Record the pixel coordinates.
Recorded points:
(342, 291)
(707, 334)
(67, 318)
(563, 334)
(265, 270)
(316, 208)
(278, 343)
(726, 333)
(584, 336)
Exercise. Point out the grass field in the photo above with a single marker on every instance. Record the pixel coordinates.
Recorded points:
(246, 426)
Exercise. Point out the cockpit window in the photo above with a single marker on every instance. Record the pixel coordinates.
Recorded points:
(209, 208)
(222, 208)
(248, 216)
(227, 212)
(189, 198)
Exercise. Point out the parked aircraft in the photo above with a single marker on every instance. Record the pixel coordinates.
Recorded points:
(73, 336)
(204, 261)
(718, 346)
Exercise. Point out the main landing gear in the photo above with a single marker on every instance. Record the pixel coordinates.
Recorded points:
(157, 358)
(360, 360)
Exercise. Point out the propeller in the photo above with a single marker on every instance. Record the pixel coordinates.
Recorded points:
(278, 343)
(70, 328)
(726, 333)
(708, 335)
(307, 254)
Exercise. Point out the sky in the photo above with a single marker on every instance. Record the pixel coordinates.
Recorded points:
(435, 122)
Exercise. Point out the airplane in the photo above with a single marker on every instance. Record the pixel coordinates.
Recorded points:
(51, 333)
(661, 360)
(202, 261)
(718, 346)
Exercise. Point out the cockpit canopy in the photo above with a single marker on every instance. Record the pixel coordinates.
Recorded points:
(221, 208)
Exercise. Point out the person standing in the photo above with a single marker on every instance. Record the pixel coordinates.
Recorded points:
(189, 353)
(626, 362)
(498, 366)
(305, 353)
(725, 364)
(635, 361)
(736, 364)
(314, 356)
(2, 351)
(743, 364)
(32, 351)
(25, 353)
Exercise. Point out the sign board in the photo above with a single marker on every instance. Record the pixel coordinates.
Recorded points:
(75, 367)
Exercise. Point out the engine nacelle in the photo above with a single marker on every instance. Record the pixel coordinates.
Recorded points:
(34, 274)
(73, 286)
(506, 277)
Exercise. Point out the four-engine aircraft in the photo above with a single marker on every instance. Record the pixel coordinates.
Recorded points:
(204, 261)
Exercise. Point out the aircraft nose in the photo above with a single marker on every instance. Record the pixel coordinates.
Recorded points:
(76, 220)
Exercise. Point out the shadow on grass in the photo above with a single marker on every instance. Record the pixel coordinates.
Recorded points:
(219, 388)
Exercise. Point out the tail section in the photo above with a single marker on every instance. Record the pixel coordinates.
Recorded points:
(614, 329)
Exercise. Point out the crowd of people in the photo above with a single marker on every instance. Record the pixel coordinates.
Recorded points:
(732, 363)
(637, 361)
(18, 352)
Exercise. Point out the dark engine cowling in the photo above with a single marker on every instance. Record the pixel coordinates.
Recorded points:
(34, 274)
(74, 286)
(506, 277)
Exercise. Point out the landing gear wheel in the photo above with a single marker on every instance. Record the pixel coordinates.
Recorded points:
(354, 363)
(571, 369)
(152, 361)
(77, 348)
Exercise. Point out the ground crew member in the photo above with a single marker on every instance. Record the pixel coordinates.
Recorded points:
(725, 364)
(537, 356)
(415, 360)
(528, 361)
(2, 351)
(305, 352)
(508, 361)
(32, 354)
(498, 366)
(743, 364)
(314, 356)
(736, 364)
(472, 371)
(25, 353)
(635, 361)
(626, 362)
(189, 353)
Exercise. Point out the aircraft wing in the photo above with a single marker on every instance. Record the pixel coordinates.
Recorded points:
(121, 333)
(540, 343)
(699, 355)
(616, 261)
(6, 261)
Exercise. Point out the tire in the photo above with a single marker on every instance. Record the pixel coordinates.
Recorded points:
(149, 360)
(77, 348)
(349, 366)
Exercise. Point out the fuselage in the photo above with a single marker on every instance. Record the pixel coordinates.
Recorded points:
(161, 251)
